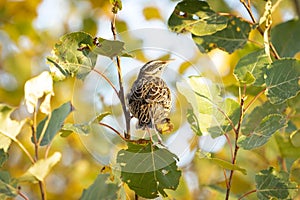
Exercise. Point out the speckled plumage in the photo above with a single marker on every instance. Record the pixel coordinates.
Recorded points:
(149, 99)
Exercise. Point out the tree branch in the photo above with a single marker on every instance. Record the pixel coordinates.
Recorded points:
(236, 147)
(121, 91)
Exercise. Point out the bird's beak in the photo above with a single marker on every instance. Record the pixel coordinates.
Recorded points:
(167, 61)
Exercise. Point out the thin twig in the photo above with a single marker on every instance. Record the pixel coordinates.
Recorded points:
(43, 190)
(236, 146)
(121, 91)
(113, 129)
(107, 80)
(246, 194)
(260, 30)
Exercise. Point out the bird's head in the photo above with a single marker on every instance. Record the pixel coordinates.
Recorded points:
(153, 68)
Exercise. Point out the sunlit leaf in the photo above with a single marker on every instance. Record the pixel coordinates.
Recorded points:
(56, 121)
(210, 108)
(9, 129)
(148, 170)
(269, 185)
(196, 17)
(250, 68)
(227, 165)
(261, 134)
(227, 116)
(252, 120)
(37, 89)
(233, 37)
(102, 188)
(8, 186)
(72, 56)
(282, 80)
(287, 43)
(40, 169)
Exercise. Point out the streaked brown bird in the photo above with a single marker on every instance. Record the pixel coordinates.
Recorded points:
(149, 99)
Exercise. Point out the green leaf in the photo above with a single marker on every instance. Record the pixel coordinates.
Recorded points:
(38, 90)
(102, 188)
(287, 43)
(9, 129)
(84, 128)
(3, 157)
(251, 121)
(73, 56)
(282, 80)
(39, 170)
(270, 184)
(196, 17)
(193, 121)
(261, 134)
(227, 165)
(148, 170)
(8, 186)
(100, 117)
(250, 68)
(56, 121)
(110, 48)
(233, 37)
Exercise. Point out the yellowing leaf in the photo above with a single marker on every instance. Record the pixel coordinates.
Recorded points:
(41, 168)
(9, 129)
(37, 88)
(151, 13)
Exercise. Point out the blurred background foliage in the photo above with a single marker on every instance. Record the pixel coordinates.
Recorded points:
(30, 28)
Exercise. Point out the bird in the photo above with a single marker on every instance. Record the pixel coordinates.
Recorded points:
(149, 99)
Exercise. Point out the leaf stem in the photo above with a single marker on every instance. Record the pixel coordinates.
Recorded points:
(34, 136)
(246, 194)
(21, 194)
(121, 91)
(113, 129)
(107, 80)
(254, 99)
(260, 30)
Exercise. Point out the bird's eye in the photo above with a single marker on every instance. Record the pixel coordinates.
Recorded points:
(160, 68)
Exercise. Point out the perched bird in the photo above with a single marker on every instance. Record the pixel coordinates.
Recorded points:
(149, 99)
